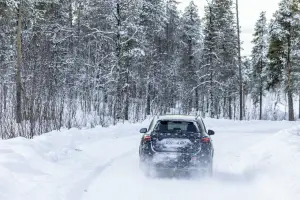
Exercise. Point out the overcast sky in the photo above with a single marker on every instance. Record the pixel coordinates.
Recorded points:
(249, 13)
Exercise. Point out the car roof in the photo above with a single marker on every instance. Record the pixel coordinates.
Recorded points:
(174, 117)
(178, 117)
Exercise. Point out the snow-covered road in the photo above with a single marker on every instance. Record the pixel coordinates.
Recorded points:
(253, 160)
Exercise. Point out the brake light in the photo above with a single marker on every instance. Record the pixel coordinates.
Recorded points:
(147, 138)
(205, 140)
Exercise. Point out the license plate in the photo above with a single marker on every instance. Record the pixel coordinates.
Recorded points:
(175, 142)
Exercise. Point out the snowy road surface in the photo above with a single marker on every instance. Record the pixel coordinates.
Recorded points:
(256, 160)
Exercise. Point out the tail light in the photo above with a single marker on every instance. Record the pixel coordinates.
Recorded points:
(205, 140)
(147, 138)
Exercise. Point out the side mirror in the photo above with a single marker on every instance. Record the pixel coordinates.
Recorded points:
(211, 132)
(143, 130)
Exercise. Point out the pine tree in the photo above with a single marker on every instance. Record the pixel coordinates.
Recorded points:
(284, 34)
(229, 55)
(209, 53)
(126, 41)
(191, 49)
(171, 62)
(220, 56)
(259, 60)
(153, 22)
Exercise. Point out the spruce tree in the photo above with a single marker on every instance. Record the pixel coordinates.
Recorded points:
(210, 62)
(283, 48)
(191, 48)
(220, 56)
(259, 60)
(152, 22)
(172, 55)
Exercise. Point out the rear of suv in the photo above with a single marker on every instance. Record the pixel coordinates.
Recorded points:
(176, 143)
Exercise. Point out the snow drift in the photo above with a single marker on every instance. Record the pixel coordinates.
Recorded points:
(273, 165)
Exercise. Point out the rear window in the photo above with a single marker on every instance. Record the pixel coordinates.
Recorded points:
(175, 126)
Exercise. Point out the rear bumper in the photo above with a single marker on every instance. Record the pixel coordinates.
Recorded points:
(177, 161)
(181, 166)
(184, 169)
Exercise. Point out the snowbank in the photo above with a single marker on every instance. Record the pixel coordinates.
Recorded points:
(27, 165)
(273, 165)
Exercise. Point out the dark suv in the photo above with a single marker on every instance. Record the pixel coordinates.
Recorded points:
(176, 143)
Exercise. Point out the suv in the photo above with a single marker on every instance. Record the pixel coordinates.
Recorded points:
(176, 143)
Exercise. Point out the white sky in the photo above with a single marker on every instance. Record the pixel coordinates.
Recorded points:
(249, 11)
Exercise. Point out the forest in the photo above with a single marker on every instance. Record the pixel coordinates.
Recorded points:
(84, 63)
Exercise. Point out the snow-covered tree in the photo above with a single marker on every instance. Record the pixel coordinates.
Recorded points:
(191, 50)
(171, 60)
(259, 60)
(153, 21)
(220, 55)
(74, 63)
(284, 50)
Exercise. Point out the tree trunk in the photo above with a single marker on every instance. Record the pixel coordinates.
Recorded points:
(230, 107)
(202, 105)
(148, 106)
(18, 67)
(118, 108)
(234, 108)
(260, 90)
(197, 100)
(244, 103)
(225, 114)
(71, 39)
(4, 97)
(239, 62)
(211, 96)
(291, 107)
(260, 104)
(299, 105)
(290, 83)
(126, 110)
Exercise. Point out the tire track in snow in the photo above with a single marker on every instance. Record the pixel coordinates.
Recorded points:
(77, 192)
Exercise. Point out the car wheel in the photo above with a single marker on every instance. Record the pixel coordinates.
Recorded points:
(209, 171)
(147, 169)
(142, 165)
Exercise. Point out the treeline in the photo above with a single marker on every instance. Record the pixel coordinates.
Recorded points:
(74, 63)
(275, 65)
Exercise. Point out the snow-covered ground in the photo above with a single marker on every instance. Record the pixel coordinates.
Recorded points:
(255, 160)
(275, 107)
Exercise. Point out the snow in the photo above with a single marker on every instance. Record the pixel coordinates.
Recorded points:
(253, 160)
(275, 107)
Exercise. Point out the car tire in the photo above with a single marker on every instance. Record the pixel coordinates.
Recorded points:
(205, 172)
(146, 168)
(209, 170)
(142, 165)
